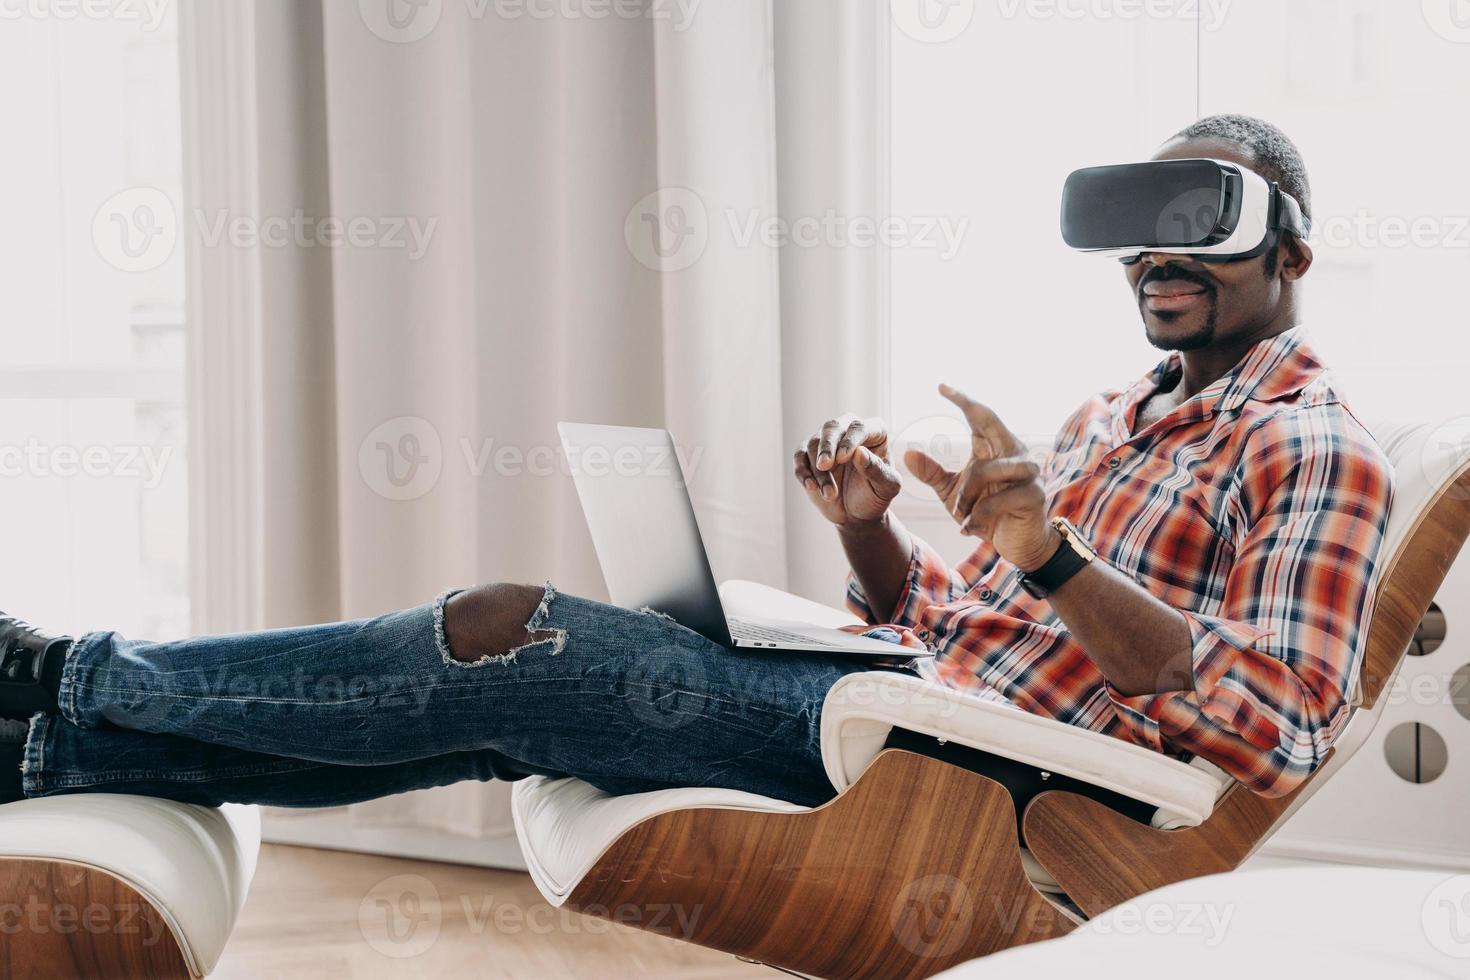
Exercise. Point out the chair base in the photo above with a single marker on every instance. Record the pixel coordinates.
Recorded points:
(61, 919)
(915, 868)
(1102, 858)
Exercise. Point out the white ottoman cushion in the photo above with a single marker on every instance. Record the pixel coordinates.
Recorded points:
(192, 863)
(1325, 921)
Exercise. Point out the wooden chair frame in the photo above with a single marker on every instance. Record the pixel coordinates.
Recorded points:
(61, 919)
(916, 866)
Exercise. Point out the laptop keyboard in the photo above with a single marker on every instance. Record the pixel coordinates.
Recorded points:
(742, 629)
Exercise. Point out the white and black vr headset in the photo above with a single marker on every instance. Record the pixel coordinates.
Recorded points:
(1211, 210)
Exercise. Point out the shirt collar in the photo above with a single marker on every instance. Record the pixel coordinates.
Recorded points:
(1274, 368)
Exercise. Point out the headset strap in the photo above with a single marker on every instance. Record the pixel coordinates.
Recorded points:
(1287, 213)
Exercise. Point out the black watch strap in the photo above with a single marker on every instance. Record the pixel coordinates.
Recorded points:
(1060, 567)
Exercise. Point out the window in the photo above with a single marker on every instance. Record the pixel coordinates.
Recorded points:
(93, 474)
(1370, 92)
(993, 104)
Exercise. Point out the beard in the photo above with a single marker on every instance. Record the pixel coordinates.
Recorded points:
(1202, 337)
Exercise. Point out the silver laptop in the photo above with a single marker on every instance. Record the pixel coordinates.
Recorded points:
(637, 505)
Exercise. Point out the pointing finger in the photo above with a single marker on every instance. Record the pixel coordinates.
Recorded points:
(984, 425)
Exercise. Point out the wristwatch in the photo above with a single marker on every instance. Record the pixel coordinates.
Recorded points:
(1073, 555)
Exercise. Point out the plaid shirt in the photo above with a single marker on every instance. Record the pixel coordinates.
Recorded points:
(1256, 509)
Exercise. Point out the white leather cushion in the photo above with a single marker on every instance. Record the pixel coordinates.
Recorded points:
(1426, 457)
(192, 863)
(1301, 921)
(565, 825)
(861, 709)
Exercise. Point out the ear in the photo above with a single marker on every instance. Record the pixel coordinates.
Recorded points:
(1294, 258)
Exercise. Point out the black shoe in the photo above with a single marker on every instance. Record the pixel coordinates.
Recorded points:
(30, 661)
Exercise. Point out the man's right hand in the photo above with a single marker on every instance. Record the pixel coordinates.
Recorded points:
(846, 473)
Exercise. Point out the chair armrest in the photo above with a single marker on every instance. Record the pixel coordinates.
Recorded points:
(862, 708)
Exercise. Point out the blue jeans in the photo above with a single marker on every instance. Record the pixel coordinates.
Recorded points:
(335, 714)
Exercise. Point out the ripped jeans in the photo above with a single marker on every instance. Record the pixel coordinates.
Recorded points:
(329, 715)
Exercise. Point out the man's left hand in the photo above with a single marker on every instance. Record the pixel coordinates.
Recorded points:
(997, 495)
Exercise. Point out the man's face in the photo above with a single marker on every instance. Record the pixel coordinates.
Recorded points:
(1188, 304)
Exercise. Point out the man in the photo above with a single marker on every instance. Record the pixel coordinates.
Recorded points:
(1236, 507)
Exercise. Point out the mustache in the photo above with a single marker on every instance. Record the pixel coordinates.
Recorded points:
(1168, 272)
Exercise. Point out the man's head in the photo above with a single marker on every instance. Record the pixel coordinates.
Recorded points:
(1189, 304)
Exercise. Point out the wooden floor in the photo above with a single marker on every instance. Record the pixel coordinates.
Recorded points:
(334, 914)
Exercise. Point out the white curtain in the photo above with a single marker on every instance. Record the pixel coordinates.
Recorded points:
(374, 425)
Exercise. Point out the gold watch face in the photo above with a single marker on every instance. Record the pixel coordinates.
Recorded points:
(1074, 538)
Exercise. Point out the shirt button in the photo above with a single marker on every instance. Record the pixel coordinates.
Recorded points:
(985, 595)
(1114, 462)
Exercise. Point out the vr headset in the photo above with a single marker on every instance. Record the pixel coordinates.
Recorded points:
(1208, 209)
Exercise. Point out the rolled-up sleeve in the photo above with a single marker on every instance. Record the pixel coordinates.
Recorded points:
(929, 580)
(1274, 662)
